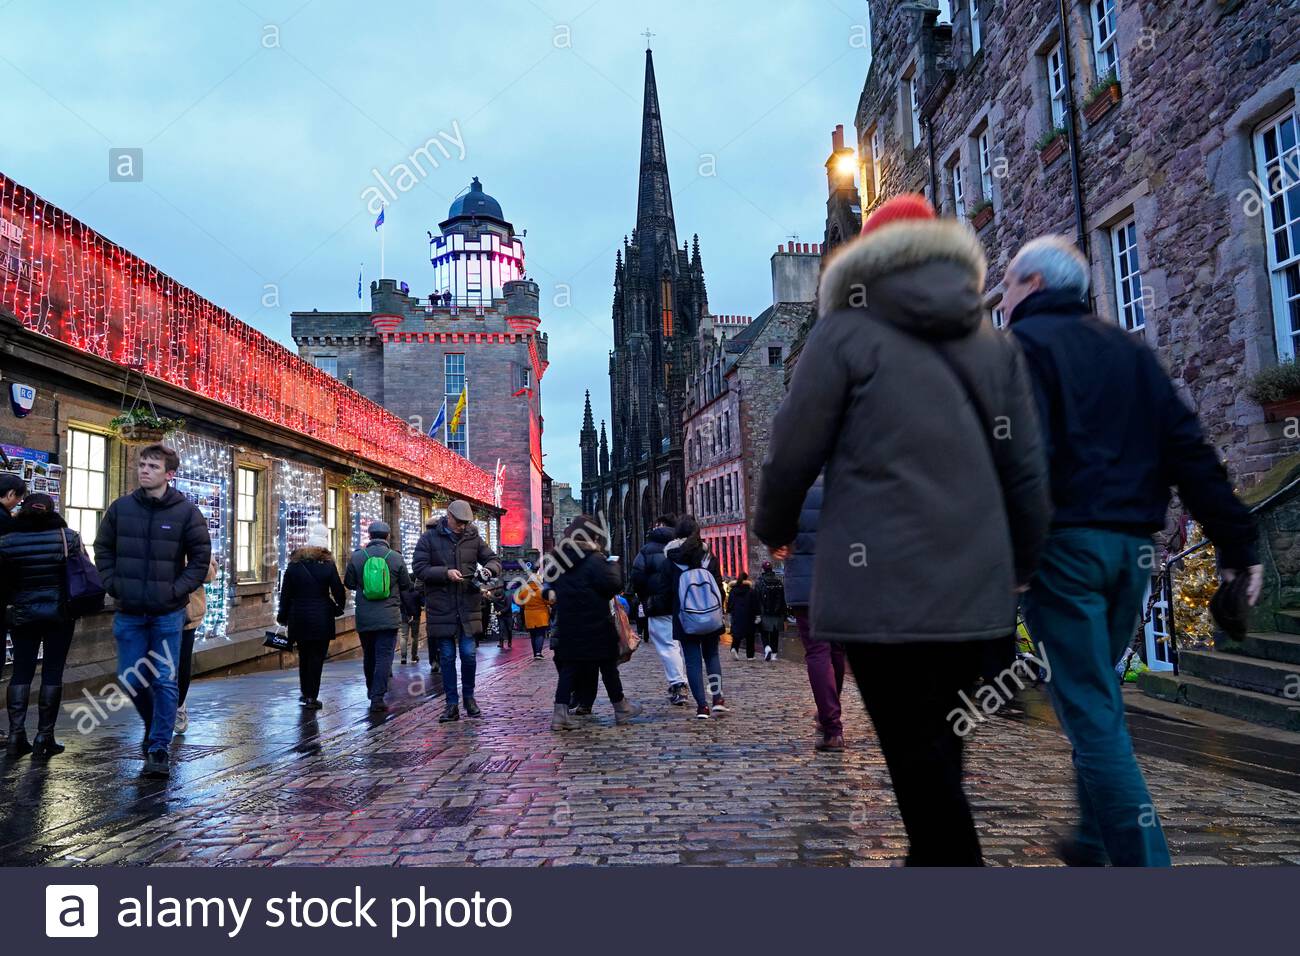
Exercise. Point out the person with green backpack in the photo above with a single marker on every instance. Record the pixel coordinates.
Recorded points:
(378, 574)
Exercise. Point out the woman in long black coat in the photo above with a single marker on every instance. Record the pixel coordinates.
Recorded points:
(586, 640)
(311, 597)
(742, 605)
(33, 566)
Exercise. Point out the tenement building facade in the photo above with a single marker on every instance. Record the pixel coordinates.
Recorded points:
(464, 365)
(1163, 136)
(731, 401)
(659, 305)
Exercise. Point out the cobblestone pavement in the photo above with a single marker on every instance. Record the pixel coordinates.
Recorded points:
(341, 788)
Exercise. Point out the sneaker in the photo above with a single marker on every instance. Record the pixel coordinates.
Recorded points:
(377, 706)
(182, 720)
(471, 708)
(735, 652)
(677, 695)
(450, 714)
(581, 710)
(156, 765)
(537, 657)
(702, 713)
(720, 705)
(768, 655)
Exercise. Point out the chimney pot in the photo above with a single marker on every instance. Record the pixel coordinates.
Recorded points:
(837, 138)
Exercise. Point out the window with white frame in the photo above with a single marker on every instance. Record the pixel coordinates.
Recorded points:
(912, 92)
(986, 166)
(1105, 48)
(1056, 85)
(999, 317)
(454, 373)
(247, 523)
(877, 154)
(1128, 277)
(958, 186)
(86, 483)
(976, 28)
(1277, 151)
(329, 364)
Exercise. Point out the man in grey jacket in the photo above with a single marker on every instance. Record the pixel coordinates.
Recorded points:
(378, 618)
(936, 501)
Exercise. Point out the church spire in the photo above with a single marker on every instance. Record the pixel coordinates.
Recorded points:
(588, 424)
(654, 207)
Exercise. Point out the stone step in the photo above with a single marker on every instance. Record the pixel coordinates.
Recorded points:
(1273, 646)
(1230, 701)
(1288, 621)
(1239, 670)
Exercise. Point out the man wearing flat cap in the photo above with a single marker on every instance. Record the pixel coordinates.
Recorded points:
(447, 559)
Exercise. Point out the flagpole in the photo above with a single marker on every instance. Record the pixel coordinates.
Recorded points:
(467, 417)
(382, 274)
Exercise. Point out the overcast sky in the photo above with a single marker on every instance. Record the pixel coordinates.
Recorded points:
(261, 123)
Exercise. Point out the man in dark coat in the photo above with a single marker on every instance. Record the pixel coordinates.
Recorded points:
(152, 550)
(654, 588)
(378, 619)
(1117, 437)
(447, 559)
(936, 503)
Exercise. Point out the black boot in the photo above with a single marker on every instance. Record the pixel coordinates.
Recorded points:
(16, 698)
(47, 716)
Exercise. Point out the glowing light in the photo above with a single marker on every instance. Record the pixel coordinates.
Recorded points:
(846, 164)
(61, 279)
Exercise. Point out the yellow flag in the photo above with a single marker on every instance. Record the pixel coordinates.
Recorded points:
(454, 424)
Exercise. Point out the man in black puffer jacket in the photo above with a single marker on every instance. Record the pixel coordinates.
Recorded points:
(654, 586)
(152, 550)
(447, 559)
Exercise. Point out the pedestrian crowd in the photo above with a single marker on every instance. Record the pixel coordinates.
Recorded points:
(929, 480)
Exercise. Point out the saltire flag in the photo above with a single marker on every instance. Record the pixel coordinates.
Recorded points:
(380, 220)
(460, 408)
(437, 422)
(359, 271)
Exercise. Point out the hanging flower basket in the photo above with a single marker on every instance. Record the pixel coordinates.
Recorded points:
(359, 483)
(141, 427)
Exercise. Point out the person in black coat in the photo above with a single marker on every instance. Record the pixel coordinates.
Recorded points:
(33, 562)
(586, 640)
(742, 606)
(311, 597)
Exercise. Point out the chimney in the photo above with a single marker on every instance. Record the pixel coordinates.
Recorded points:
(837, 138)
(795, 272)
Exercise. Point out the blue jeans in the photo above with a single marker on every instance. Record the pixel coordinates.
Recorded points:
(538, 634)
(1082, 611)
(148, 658)
(377, 660)
(697, 652)
(447, 655)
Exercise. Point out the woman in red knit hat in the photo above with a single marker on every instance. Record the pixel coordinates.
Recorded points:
(935, 505)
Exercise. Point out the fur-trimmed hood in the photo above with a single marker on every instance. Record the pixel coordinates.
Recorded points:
(926, 276)
(311, 554)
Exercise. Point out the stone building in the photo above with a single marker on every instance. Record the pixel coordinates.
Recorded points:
(659, 305)
(567, 507)
(730, 406)
(1162, 136)
(725, 326)
(476, 334)
(268, 444)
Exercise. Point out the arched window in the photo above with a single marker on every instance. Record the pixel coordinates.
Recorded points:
(666, 304)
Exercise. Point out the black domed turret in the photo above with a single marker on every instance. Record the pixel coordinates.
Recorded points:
(476, 203)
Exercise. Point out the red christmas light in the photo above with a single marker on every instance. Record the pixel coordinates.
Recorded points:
(63, 280)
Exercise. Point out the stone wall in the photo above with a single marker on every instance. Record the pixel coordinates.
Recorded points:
(1175, 153)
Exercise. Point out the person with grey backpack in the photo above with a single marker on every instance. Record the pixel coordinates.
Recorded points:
(379, 576)
(697, 615)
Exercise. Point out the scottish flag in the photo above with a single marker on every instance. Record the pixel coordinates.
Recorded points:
(359, 271)
(380, 220)
(437, 422)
